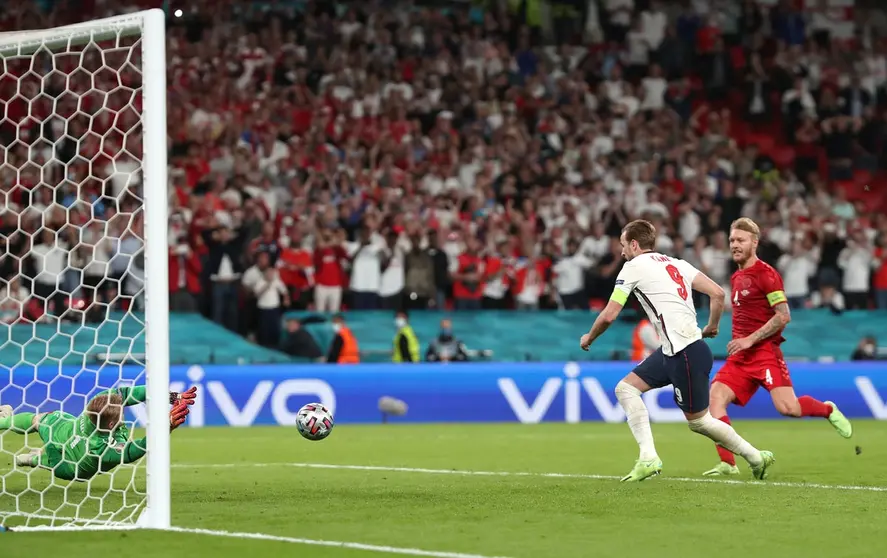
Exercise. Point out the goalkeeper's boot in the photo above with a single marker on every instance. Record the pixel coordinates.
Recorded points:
(5, 411)
(643, 470)
(760, 470)
(839, 421)
(722, 470)
(30, 459)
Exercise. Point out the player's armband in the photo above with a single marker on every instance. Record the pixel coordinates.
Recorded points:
(619, 296)
(776, 297)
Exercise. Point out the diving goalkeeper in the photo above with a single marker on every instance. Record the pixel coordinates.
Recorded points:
(78, 448)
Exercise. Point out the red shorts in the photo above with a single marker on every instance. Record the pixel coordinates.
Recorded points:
(763, 368)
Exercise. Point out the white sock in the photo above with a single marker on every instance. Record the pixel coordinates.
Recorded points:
(724, 435)
(638, 419)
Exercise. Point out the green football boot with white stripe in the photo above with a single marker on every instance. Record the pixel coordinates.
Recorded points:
(643, 470)
(839, 421)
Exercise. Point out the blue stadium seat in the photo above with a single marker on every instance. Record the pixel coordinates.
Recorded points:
(554, 336)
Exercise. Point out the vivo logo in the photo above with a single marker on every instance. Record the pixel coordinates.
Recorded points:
(573, 387)
(278, 393)
(871, 397)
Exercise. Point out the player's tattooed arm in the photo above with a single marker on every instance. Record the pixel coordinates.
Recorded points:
(774, 325)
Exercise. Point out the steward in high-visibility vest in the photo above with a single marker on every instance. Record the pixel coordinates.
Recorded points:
(644, 341)
(344, 349)
(406, 344)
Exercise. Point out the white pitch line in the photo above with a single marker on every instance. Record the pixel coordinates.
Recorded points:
(265, 537)
(844, 487)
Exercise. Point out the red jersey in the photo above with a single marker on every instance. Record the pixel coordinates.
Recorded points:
(328, 270)
(756, 290)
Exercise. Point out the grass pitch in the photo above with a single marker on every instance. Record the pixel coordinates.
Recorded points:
(433, 488)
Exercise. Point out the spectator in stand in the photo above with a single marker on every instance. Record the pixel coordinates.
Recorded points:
(828, 297)
(269, 295)
(798, 267)
(857, 260)
(866, 350)
(225, 267)
(297, 342)
(296, 270)
(880, 264)
(368, 260)
(569, 277)
(391, 284)
(185, 269)
(497, 277)
(446, 347)
(266, 243)
(468, 286)
(329, 268)
(49, 260)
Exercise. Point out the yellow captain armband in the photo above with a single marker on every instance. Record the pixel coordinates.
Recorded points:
(619, 296)
(776, 297)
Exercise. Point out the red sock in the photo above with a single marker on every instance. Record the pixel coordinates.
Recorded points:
(725, 454)
(813, 407)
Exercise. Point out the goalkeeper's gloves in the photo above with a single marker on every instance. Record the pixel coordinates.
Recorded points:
(186, 397)
(177, 416)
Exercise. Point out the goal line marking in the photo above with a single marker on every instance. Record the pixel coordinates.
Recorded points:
(265, 537)
(419, 470)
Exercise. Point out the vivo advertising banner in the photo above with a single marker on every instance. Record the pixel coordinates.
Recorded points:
(494, 392)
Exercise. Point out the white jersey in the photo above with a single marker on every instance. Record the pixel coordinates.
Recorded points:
(663, 286)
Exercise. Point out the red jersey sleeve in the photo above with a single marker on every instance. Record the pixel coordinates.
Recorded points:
(770, 283)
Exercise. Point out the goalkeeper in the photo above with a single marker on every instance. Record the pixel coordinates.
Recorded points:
(78, 448)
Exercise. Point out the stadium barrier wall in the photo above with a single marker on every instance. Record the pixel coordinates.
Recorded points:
(496, 392)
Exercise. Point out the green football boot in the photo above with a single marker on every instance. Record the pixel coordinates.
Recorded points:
(643, 470)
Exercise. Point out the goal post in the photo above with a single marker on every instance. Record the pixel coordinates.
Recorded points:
(83, 172)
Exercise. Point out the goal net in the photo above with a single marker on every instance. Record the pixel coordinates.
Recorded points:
(83, 216)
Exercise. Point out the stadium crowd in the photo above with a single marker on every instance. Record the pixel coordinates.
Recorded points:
(387, 155)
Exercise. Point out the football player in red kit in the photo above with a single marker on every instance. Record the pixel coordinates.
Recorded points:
(754, 359)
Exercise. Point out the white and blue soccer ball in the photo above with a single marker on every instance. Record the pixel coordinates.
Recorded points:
(314, 421)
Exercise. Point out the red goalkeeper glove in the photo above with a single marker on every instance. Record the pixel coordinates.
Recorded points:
(186, 397)
(177, 416)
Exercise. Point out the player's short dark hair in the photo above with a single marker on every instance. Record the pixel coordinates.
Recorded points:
(105, 411)
(642, 231)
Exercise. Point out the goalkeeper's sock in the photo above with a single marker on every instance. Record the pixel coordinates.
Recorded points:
(724, 435)
(725, 454)
(813, 407)
(638, 419)
(20, 423)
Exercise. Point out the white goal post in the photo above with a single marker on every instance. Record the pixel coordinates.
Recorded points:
(99, 146)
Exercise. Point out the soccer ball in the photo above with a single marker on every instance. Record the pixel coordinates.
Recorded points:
(314, 421)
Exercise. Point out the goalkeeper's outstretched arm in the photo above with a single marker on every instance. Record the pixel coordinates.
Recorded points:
(136, 449)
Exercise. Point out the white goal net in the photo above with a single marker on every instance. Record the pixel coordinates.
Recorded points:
(83, 274)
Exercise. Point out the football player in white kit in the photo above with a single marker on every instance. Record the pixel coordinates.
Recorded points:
(662, 285)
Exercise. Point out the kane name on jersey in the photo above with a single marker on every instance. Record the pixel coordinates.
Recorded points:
(755, 291)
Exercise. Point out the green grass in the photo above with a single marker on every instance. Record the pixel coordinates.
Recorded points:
(512, 516)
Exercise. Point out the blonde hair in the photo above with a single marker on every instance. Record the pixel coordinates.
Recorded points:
(105, 411)
(747, 225)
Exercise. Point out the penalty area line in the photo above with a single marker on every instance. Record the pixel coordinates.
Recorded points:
(419, 470)
(262, 537)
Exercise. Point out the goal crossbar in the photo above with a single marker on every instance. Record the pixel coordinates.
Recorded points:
(24, 43)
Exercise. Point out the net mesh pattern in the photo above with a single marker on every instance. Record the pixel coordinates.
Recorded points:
(71, 261)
